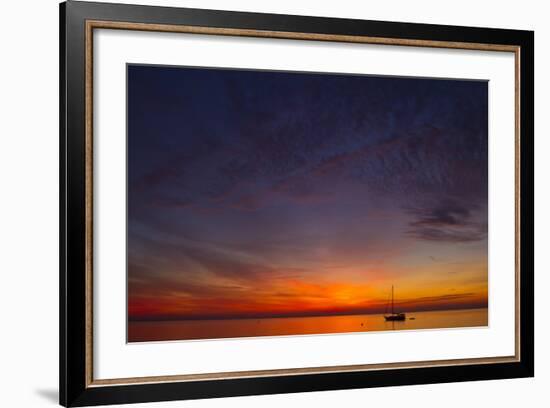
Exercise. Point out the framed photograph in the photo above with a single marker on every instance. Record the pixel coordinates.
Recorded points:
(256, 204)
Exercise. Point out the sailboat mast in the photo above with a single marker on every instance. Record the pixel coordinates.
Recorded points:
(391, 299)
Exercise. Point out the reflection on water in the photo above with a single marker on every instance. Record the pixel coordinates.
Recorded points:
(212, 329)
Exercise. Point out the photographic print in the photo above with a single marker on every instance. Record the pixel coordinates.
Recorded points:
(256, 204)
(268, 203)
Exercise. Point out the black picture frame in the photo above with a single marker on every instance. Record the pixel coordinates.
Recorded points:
(75, 389)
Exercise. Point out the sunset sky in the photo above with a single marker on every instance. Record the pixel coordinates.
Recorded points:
(263, 194)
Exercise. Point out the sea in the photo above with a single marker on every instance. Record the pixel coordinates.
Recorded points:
(141, 331)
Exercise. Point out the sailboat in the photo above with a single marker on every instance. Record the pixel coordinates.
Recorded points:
(394, 316)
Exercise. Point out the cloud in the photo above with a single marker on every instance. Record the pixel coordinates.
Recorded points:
(387, 134)
(448, 221)
(451, 300)
(445, 214)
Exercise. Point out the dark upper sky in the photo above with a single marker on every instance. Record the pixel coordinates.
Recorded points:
(274, 193)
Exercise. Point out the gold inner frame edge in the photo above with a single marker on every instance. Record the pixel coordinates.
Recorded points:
(93, 24)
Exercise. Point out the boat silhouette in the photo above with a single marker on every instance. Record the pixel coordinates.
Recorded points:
(394, 317)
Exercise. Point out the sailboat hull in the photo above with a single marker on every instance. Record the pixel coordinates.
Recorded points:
(399, 317)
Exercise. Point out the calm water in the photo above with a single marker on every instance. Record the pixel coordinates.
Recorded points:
(211, 329)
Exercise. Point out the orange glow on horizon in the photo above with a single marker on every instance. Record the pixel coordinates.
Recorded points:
(302, 297)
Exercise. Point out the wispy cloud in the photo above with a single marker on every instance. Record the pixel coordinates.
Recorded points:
(447, 221)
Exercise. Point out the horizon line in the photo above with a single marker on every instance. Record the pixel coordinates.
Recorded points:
(300, 315)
